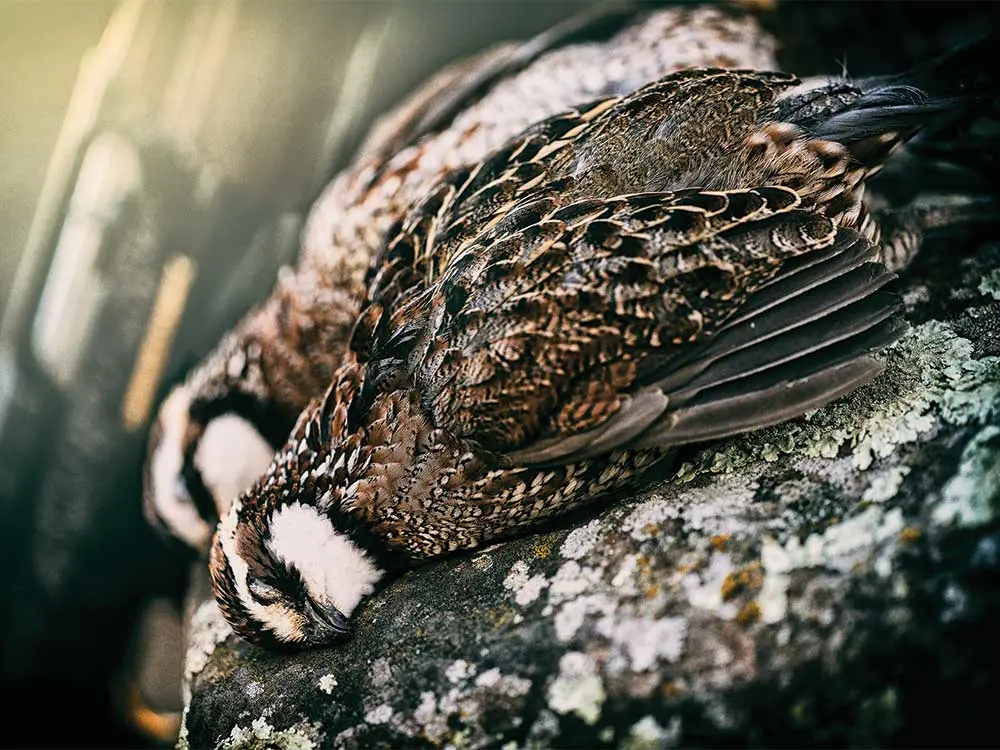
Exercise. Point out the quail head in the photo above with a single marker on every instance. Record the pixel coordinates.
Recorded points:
(684, 262)
(217, 431)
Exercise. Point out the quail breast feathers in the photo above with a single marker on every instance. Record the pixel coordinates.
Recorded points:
(684, 262)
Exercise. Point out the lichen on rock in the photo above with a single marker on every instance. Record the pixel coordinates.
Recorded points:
(262, 736)
(990, 284)
(972, 497)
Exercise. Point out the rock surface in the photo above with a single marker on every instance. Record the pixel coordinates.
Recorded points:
(835, 580)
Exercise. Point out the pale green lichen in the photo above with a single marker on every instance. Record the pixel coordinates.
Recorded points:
(459, 671)
(972, 496)
(885, 485)
(640, 643)
(327, 683)
(578, 688)
(208, 629)
(262, 736)
(930, 374)
(647, 734)
(990, 284)
(381, 714)
(978, 397)
(182, 735)
(526, 588)
(841, 547)
(579, 542)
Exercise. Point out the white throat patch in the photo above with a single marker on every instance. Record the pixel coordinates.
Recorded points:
(231, 455)
(333, 568)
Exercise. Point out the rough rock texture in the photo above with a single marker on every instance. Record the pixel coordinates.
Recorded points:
(835, 580)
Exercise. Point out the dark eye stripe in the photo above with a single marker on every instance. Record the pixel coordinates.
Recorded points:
(203, 501)
(272, 420)
(263, 592)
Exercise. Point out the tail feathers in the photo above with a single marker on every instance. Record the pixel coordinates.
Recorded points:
(952, 97)
(880, 111)
(871, 116)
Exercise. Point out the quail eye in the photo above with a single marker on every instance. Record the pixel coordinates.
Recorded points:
(263, 593)
(181, 488)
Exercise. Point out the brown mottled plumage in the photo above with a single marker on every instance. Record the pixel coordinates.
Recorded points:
(285, 351)
(685, 262)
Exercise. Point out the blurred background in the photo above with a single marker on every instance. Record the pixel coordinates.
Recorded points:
(157, 160)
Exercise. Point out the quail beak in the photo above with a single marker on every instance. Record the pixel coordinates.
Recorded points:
(329, 623)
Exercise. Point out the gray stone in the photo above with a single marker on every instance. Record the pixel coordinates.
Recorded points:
(834, 580)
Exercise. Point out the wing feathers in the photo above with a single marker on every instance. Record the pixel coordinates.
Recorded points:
(800, 341)
(637, 413)
(792, 303)
(802, 274)
(739, 412)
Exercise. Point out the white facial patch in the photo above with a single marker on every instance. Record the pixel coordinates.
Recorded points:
(334, 569)
(173, 505)
(230, 456)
